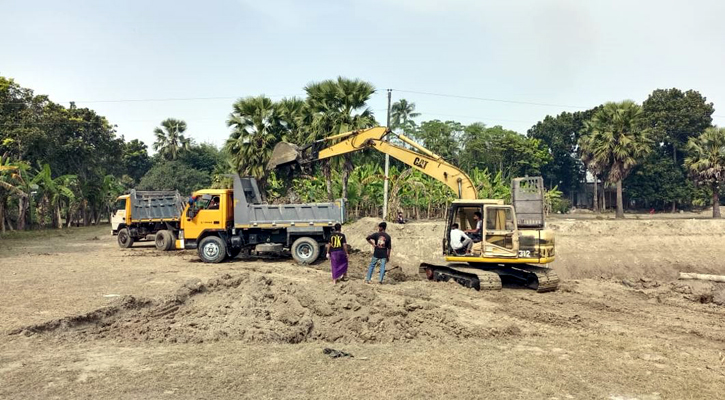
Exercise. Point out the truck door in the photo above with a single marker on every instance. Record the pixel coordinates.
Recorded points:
(119, 214)
(205, 213)
(501, 238)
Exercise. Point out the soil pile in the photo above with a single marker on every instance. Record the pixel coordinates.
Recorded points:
(254, 307)
(654, 249)
(413, 243)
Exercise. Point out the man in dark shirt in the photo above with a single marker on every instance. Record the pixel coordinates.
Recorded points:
(476, 234)
(381, 243)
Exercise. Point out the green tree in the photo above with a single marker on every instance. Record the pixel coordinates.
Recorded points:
(11, 184)
(502, 150)
(174, 175)
(402, 113)
(442, 138)
(338, 106)
(560, 135)
(586, 144)
(170, 139)
(706, 162)
(657, 180)
(673, 117)
(617, 142)
(136, 160)
(53, 192)
(203, 157)
(256, 129)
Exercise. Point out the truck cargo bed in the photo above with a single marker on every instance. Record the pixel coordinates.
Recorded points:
(250, 212)
(156, 206)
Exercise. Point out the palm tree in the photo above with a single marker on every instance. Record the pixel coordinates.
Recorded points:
(706, 162)
(170, 140)
(339, 106)
(401, 112)
(256, 129)
(587, 157)
(617, 143)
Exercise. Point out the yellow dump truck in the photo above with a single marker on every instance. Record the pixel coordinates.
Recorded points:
(141, 214)
(221, 223)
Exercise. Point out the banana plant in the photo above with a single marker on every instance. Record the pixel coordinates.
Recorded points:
(53, 192)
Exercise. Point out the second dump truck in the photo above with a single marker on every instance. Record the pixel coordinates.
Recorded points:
(221, 223)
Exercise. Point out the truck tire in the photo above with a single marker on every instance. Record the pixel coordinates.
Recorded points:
(305, 250)
(212, 249)
(124, 238)
(164, 240)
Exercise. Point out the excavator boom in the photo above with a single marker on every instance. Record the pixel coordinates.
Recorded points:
(423, 160)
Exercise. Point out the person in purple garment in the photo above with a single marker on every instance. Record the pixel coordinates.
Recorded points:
(337, 253)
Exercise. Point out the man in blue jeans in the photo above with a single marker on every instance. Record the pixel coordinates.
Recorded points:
(381, 251)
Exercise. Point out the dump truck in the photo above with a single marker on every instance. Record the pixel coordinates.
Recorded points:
(513, 243)
(141, 214)
(222, 223)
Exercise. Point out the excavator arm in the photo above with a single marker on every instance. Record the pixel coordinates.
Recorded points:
(423, 160)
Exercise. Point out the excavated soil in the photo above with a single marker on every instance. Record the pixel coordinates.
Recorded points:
(82, 318)
(252, 307)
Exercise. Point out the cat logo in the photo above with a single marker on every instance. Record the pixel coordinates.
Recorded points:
(420, 163)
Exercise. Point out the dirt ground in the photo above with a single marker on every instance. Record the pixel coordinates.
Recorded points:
(80, 317)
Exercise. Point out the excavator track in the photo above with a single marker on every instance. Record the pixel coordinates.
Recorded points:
(463, 274)
(533, 277)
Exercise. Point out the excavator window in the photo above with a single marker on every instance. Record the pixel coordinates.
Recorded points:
(499, 219)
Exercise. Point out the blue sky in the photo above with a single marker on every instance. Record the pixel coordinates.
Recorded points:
(564, 52)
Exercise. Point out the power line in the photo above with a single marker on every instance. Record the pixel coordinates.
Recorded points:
(480, 118)
(489, 99)
(160, 99)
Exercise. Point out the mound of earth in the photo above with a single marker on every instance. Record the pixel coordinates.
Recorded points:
(254, 307)
(647, 248)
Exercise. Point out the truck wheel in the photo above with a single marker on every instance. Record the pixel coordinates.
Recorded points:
(164, 240)
(124, 238)
(305, 250)
(212, 249)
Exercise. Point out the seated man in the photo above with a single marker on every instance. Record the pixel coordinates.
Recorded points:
(477, 234)
(214, 204)
(460, 242)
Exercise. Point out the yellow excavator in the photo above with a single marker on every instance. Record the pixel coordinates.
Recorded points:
(512, 242)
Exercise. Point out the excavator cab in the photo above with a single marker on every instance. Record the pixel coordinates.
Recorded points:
(498, 236)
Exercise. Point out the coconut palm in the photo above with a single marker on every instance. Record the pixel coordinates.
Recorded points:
(339, 106)
(170, 140)
(590, 163)
(706, 162)
(401, 112)
(256, 129)
(617, 143)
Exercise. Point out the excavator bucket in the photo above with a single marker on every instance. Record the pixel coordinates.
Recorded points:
(284, 153)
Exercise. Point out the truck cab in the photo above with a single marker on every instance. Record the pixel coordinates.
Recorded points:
(120, 211)
(220, 223)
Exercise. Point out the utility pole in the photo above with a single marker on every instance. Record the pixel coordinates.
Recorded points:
(387, 165)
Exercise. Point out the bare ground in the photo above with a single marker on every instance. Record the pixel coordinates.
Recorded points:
(80, 317)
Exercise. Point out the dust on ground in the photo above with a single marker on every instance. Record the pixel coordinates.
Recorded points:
(83, 318)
